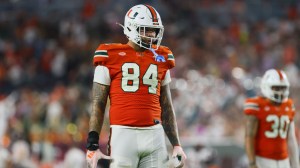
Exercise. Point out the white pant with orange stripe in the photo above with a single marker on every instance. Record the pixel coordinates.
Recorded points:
(271, 163)
(138, 147)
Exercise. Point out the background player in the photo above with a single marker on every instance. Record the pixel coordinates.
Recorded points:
(135, 76)
(270, 131)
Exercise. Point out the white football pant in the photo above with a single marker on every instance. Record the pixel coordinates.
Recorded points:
(271, 163)
(138, 147)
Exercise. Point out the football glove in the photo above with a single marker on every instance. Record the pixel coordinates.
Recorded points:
(92, 158)
(93, 153)
(178, 157)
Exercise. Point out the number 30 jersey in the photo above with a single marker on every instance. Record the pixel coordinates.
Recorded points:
(135, 81)
(273, 125)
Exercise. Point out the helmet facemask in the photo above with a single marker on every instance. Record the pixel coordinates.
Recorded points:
(148, 41)
(280, 93)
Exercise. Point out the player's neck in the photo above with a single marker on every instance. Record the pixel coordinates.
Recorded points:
(136, 47)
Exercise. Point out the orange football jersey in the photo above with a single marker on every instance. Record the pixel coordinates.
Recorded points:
(135, 82)
(273, 124)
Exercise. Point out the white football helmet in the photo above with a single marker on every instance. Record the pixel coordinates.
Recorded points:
(139, 18)
(273, 78)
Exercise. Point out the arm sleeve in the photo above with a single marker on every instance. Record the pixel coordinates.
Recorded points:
(167, 78)
(101, 75)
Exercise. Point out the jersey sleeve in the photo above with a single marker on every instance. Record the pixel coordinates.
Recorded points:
(101, 75)
(100, 55)
(167, 78)
(251, 107)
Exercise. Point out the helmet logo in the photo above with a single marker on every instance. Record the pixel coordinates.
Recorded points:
(134, 15)
(129, 12)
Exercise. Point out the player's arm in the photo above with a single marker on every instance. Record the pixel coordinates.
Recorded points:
(293, 146)
(168, 116)
(170, 126)
(251, 130)
(100, 94)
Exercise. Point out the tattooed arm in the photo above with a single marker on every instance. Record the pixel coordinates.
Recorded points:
(100, 95)
(251, 130)
(168, 115)
(170, 126)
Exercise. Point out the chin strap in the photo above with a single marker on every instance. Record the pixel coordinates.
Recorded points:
(157, 58)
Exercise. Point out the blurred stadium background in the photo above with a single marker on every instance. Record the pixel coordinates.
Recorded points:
(221, 48)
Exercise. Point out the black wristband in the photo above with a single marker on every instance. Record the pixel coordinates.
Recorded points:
(92, 141)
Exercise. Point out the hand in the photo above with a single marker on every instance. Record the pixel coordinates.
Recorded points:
(178, 157)
(92, 158)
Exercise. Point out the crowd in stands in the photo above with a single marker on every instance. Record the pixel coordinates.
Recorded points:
(221, 49)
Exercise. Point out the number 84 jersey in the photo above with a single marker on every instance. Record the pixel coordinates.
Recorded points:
(135, 79)
(273, 124)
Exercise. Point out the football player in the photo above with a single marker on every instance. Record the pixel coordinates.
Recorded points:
(270, 139)
(135, 76)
